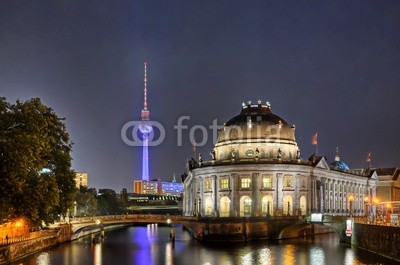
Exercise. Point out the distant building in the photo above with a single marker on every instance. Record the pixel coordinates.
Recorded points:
(388, 185)
(158, 187)
(81, 179)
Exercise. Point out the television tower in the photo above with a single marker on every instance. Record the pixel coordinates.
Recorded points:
(145, 128)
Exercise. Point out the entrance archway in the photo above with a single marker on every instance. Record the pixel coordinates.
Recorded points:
(267, 204)
(224, 206)
(303, 205)
(245, 206)
(208, 207)
(287, 205)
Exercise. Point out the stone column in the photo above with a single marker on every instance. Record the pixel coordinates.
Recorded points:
(346, 197)
(296, 200)
(234, 194)
(279, 194)
(201, 196)
(256, 201)
(333, 196)
(215, 195)
(328, 195)
(322, 195)
(313, 194)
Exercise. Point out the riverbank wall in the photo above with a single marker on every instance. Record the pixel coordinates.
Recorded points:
(50, 238)
(249, 229)
(382, 240)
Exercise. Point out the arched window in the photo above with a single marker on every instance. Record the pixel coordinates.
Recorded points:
(303, 205)
(208, 207)
(245, 206)
(224, 206)
(267, 205)
(287, 205)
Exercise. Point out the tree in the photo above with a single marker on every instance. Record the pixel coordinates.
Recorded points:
(36, 180)
(107, 202)
(123, 200)
(86, 202)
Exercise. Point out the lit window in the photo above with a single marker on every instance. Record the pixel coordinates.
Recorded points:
(245, 183)
(224, 183)
(267, 182)
(287, 182)
(208, 184)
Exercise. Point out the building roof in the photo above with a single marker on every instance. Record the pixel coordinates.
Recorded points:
(392, 171)
(255, 122)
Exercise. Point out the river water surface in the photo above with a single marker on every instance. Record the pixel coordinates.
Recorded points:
(151, 245)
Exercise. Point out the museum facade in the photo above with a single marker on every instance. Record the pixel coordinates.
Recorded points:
(257, 170)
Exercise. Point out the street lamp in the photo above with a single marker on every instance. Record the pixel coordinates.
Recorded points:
(18, 224)
(351, 199)
(75, 208)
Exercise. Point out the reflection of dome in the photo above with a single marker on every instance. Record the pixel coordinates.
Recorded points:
(257, 128)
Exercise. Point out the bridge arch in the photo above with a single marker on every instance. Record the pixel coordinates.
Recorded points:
(300, 229)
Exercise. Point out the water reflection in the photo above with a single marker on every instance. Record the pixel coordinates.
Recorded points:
(97, 259)
(169, 254)
(317, 256)
(151, 244)
(142, 238)
(348, 256)
(44, 258)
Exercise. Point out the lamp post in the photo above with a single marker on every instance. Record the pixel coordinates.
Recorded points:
(75, 208)
(351, 199)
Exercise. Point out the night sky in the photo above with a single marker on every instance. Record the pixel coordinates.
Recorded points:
(331, 67)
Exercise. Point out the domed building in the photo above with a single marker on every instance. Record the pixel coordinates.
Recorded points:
(256, 170)
(337, 164)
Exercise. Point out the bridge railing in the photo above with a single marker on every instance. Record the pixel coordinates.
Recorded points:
(107, 218)
(7, 240)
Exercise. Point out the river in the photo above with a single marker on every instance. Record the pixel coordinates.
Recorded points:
(151, 245)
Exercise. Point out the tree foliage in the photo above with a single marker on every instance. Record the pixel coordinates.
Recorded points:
(107, 202)
(86, 201)
(36, 180)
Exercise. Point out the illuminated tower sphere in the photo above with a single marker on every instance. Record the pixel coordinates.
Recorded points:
(145, 128)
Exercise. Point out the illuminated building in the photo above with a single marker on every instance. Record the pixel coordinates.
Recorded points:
(256, 170)
(388, 186)
(158, 187)
(145, 128)
(81, 179)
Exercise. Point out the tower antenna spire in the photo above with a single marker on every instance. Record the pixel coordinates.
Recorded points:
(145, 112)
(145, 85)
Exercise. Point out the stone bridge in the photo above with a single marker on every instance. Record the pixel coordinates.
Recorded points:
(219, 229)
(284, 229)
(83, 226)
